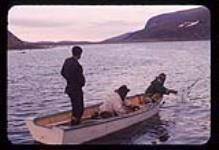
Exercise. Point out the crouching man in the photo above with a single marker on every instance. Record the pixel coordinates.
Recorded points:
(115, 103)
(156, 90)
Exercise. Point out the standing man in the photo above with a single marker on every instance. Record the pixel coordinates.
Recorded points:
(72, 71)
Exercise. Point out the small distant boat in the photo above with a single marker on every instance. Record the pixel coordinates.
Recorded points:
(55, 128)
(23, 52)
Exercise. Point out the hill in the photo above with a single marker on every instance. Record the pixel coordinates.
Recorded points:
(192, 24)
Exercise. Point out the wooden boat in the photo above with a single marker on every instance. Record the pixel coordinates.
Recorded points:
(55, 128)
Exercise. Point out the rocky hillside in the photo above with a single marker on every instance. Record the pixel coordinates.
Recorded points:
(192, 24)
(15, 43)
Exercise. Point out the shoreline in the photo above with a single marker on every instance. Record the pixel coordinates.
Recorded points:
(153, 41)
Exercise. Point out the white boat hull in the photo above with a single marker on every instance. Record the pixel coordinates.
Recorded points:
(90, 133)
(93, 129)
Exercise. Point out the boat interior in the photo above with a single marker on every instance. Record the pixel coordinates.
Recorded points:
(65, 117)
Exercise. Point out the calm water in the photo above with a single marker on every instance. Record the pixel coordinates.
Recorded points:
(36, 86)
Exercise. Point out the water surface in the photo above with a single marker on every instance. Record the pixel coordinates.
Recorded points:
(36, 86)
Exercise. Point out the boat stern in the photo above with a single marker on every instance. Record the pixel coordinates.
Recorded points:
(44, 134)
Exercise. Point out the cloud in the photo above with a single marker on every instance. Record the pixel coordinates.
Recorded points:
(38, 23)
(81, 22)
(118, 23)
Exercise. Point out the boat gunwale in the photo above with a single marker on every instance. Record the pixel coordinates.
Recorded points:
(102, 121)
(138, 112)
(40, 116)
(34, 119)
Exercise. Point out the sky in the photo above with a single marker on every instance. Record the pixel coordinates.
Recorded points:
(81, 23)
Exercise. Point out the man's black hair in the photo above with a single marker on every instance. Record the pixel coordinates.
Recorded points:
(162, 74)
(76, 51)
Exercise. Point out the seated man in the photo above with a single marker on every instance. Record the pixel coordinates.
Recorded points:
(115, 103)
(156, 90)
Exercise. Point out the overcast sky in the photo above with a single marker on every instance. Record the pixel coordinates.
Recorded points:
(81, 23)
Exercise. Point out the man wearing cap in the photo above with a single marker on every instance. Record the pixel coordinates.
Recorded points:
(157, 89)
(115, 103)
(72, 71)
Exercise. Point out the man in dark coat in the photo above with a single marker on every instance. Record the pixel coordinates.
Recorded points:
(72, 71)
(157, 88)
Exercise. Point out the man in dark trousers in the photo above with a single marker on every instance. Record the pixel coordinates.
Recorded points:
(157, 88)
(72, 71)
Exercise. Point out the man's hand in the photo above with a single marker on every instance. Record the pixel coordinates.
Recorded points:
(172, 91)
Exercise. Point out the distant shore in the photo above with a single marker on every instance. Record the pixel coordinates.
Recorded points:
(102, 43)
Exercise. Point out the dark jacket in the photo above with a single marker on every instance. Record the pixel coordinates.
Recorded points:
(156, 86)
(72, 71)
